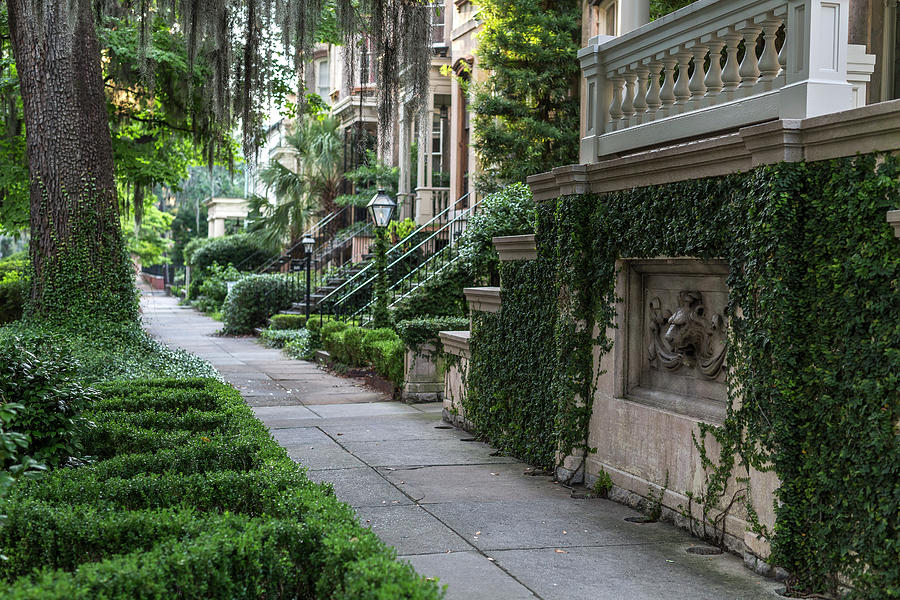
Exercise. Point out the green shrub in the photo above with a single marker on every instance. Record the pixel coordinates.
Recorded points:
(221, 515)
(387, 356)
(299, 347)
(243, 251)
(51, 400)
(314, 326)
(278, 338)
(328, 330)
(253, 300)
(108, 350)
(288, 321)
(355, 346)
(511, 211)
(416, 332)
(14, 290)
(213, 288)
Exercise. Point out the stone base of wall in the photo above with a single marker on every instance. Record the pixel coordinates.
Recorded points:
(424, 375)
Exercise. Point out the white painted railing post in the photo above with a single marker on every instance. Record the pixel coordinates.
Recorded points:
(598, 97)
(816, 69)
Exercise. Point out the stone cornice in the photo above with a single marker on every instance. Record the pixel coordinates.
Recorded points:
(516, 247)
(860, 130)
(483, 299)
(455, 342)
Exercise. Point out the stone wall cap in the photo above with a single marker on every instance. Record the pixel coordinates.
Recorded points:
(516, 247)
(483, 299)
(456, 342)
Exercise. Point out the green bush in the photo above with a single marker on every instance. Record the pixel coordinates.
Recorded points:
(51, 400)
(277, 338)
(243, 251)
(288, 321)
(240, 249)
(222, 513)
(387, 356)
(213, 288)
(328, 330)
(253, 300)
(416, 332)
(14, 289)
(354, 346)
(511, 211)
(299, 347)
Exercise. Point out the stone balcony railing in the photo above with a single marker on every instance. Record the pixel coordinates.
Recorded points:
(687, 75)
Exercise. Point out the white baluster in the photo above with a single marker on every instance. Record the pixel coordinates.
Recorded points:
(682, 87)
(769, 65)
(628, 103)
(615, 109)
(714, 83)
(667, 93)
(640, 98)
(731, 75)
(698, 77)
(750, 64)
(653, 99)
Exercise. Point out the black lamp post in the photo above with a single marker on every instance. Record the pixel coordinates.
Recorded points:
(381, 209)
(308, 243)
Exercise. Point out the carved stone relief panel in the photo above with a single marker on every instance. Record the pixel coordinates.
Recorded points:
(675, 335)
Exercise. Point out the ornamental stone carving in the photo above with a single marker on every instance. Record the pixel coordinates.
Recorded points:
(689, 336)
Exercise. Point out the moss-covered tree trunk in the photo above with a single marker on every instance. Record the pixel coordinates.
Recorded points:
(80, 267)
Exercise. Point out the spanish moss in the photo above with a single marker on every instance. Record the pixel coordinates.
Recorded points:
(247, 44)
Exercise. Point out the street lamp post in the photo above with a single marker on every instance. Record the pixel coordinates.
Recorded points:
(381, 209)
(308, 243)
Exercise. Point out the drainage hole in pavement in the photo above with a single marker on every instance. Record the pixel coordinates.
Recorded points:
(443, 426)
(468, 439)
(704, 550)
(639, 520)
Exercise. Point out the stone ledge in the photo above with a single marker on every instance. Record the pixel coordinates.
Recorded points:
(516, 247)
(859, 130)
(456, 342)
(893, 217)
(483, 299)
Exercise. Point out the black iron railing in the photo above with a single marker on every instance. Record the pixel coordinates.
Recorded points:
(413, 260)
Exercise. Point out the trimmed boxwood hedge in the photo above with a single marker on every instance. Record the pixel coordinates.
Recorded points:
(190, 498)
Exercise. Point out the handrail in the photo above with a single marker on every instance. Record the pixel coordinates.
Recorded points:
(449, 225)
(340, 290)
(321, 224)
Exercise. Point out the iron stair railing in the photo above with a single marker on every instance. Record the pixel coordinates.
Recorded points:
(347, 301)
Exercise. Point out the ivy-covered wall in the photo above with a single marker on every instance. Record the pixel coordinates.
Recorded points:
(814, 347)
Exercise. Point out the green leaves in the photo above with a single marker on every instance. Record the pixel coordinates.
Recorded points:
(526, 113)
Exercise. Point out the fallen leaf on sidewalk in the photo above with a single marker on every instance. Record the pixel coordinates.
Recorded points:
(558, 551)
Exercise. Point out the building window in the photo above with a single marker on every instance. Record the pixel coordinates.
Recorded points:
(437, 24)
(323, 81)
(366, 63)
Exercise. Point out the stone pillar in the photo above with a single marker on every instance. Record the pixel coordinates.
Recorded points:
(633, 14)
(216, 227)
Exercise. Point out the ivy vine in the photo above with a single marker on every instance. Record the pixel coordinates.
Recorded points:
(813, 383)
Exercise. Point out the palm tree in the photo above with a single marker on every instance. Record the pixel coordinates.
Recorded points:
(308, 192)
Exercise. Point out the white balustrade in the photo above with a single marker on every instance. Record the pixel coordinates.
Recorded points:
(713, 66)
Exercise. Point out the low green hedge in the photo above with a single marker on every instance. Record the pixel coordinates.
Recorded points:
(288, 321)
(354, 346)
(416, 332)
(197, 503)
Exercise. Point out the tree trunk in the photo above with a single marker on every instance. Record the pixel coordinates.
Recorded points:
(80, 267)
